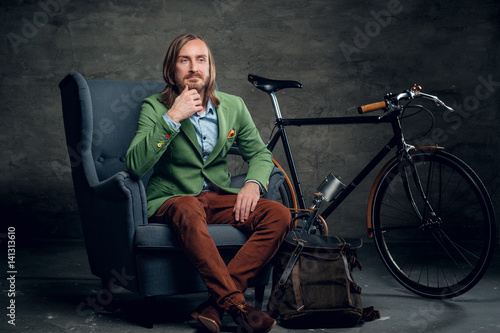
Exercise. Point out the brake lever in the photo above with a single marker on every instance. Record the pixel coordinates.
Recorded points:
(391, 107)
(436, 101)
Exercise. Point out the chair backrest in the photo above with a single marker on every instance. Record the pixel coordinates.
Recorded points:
(100, 120)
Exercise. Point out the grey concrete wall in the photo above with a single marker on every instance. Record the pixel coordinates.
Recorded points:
(346, 53)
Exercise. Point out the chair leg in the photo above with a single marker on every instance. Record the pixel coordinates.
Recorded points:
(107, 302)
(148, 310)
(104, 284)
(259, 296)
(146, 314)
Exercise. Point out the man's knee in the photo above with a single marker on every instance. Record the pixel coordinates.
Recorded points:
(282, 218)
(186, 210)
(286, 220)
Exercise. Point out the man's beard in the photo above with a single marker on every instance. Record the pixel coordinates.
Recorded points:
(198, 85)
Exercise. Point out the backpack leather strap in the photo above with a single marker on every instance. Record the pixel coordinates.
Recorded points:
(297, 290)
(291, 262)
(293, 258)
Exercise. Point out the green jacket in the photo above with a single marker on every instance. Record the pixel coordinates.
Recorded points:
(176, 157)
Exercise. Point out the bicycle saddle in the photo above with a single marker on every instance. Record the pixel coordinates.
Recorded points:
(269, 85)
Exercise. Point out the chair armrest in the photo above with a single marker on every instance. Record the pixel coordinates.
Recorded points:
(124, 189)
(275, 180)
(116, 207)
(118, 187)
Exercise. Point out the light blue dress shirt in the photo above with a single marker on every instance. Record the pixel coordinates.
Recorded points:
(207, 132)
(206, 127)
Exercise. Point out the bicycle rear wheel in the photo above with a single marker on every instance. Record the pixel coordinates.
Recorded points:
(439, 256)
(286, 195)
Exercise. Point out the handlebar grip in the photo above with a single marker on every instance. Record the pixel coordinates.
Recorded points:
(372, 107)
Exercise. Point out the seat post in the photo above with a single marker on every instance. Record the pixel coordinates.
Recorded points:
(276, 106)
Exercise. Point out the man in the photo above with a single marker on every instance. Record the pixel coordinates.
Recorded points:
(185, 133)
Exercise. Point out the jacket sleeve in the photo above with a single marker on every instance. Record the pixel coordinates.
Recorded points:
(253, 150)
(152, 138)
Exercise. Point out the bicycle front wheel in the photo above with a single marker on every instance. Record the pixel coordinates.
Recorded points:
(433, 223)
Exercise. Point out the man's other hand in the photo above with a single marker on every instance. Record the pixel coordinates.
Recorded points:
(246, 201)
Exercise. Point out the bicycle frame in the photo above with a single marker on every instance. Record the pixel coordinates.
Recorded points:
(281, 123)
(458, 248)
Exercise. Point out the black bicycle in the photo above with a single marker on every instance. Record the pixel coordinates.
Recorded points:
(429, 214)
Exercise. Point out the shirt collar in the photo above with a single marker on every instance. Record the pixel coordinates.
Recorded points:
(210, 110)
(210, 107)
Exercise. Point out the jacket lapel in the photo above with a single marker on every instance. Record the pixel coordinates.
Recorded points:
(188, 129)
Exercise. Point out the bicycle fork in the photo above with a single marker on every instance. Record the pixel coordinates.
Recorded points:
(432, 224)
(410, 168)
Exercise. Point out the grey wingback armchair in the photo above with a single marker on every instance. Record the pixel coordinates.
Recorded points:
(100, 120)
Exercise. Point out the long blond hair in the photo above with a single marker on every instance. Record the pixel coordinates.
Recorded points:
(171, 91)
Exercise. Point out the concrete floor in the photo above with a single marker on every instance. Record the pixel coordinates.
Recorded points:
(53, 284)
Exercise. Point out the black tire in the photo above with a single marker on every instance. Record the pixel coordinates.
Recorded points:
(435, 257)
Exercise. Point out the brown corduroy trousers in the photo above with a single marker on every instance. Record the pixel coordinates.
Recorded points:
(189, 216)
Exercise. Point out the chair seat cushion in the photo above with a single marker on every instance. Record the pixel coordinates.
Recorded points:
(155, 236)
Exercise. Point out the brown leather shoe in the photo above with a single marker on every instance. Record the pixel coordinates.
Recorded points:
(249, 319)
(209, 315)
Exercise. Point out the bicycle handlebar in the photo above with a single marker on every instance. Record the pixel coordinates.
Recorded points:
(372, 107)
(391, 101)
